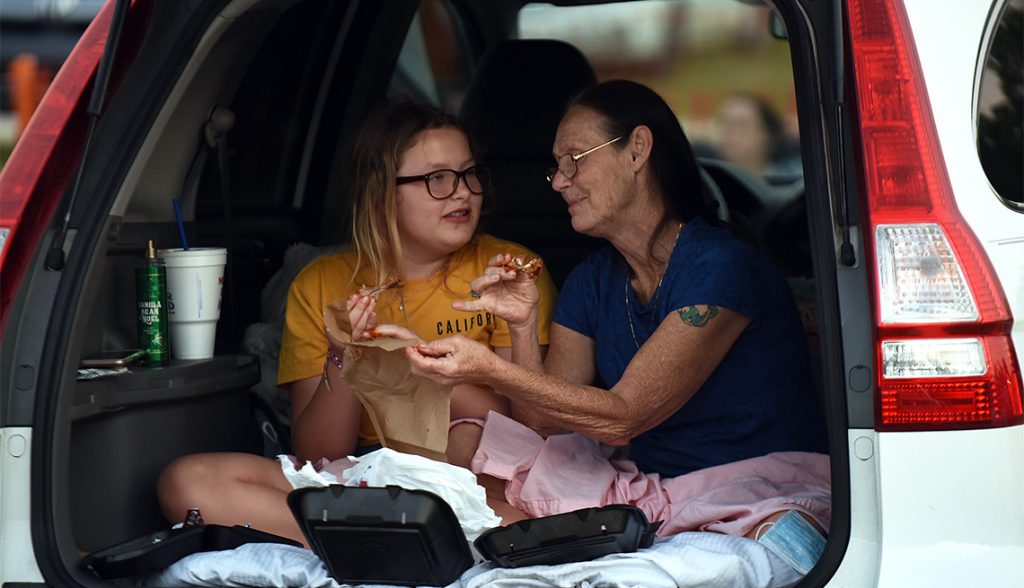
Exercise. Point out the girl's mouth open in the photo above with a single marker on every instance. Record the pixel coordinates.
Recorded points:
(461, 215)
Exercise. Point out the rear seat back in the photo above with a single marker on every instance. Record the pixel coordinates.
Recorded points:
(512, 107)
(770, 216)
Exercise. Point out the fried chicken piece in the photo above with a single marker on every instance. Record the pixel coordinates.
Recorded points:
(530, 268)
(375, 291)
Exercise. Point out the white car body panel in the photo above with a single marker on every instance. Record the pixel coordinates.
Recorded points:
(949, 71)
(952, 508)
(863, 553)
(947, 508)
(17, 560)
(935, 509)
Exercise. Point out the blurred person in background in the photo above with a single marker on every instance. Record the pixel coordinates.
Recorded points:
(751, 135)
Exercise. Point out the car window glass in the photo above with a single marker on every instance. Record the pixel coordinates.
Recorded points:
(432, 64)
(1001, 107)
(680, 48)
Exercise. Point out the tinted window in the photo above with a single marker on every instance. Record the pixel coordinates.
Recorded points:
(1001, 107)
(680, 48)
(432, 65)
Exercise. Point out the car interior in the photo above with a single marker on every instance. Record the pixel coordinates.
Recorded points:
(249, 132)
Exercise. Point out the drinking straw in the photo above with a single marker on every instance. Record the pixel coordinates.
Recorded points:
(181, 223)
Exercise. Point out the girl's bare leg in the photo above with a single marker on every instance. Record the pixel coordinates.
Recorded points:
(469, 401)
(508, 513)
(495, 488)
(463, 439)
(229, 489)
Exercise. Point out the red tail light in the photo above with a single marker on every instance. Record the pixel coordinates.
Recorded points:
(45, 158)
(945, 358)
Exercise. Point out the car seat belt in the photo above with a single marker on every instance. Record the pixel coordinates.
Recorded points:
(217, 128)
(215, 133)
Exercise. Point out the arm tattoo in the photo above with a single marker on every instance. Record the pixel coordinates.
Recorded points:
(692, 315)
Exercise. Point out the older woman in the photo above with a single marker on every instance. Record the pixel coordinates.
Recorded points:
(677, 339)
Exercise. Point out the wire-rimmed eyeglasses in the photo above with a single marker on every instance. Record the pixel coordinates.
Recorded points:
(442, 183)
(568, 164)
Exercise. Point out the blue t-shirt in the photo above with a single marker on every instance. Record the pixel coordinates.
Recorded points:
(760, 399)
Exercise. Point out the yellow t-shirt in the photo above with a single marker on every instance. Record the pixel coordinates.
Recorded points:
(422, 305)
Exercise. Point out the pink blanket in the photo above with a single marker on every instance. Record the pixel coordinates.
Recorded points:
(568, 472)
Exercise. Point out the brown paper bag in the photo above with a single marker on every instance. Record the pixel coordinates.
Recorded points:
(409, 413)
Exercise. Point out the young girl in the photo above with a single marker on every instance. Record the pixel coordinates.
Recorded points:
(416, 198)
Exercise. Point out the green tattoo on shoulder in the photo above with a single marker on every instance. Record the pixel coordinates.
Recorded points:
(692, 315)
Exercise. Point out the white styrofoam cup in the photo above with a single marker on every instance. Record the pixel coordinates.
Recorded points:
(195, 279)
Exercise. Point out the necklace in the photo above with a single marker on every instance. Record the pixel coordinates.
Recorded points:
(629, 312)
(657, 291)
(429, 283)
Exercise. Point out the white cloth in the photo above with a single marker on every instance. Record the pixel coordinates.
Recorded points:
(305, 477)
(456, 486)
(688, 560)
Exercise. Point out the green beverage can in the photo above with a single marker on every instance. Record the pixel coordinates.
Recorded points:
(151, 309)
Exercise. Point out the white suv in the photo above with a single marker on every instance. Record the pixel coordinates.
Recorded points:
(907, 227)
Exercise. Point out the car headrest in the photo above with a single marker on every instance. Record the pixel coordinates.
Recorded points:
(519, 93)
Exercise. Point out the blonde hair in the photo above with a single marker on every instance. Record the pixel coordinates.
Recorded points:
(373, 166)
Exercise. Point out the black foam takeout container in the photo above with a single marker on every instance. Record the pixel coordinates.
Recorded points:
(390, 535)
(580, 535)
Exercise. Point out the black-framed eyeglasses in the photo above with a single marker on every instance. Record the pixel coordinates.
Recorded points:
(568, 164)
(442, 183)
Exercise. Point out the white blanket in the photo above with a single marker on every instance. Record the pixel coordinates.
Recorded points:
(687, 560)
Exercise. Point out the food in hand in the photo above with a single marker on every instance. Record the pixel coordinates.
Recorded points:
(531, 269)
(375, 291)
(426, 351)
(396, 332)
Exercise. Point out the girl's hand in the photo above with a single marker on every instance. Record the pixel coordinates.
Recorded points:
(450, 361)
(509, 294)
(361, 315)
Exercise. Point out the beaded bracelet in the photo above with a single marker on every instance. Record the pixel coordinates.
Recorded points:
(332, 358)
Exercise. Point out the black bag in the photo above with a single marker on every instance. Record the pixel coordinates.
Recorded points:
(156, 551)
(388, 535)
(579, 535)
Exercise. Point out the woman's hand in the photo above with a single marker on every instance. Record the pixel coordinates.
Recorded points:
(509, 294)
(362, 315)
(453, 360)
